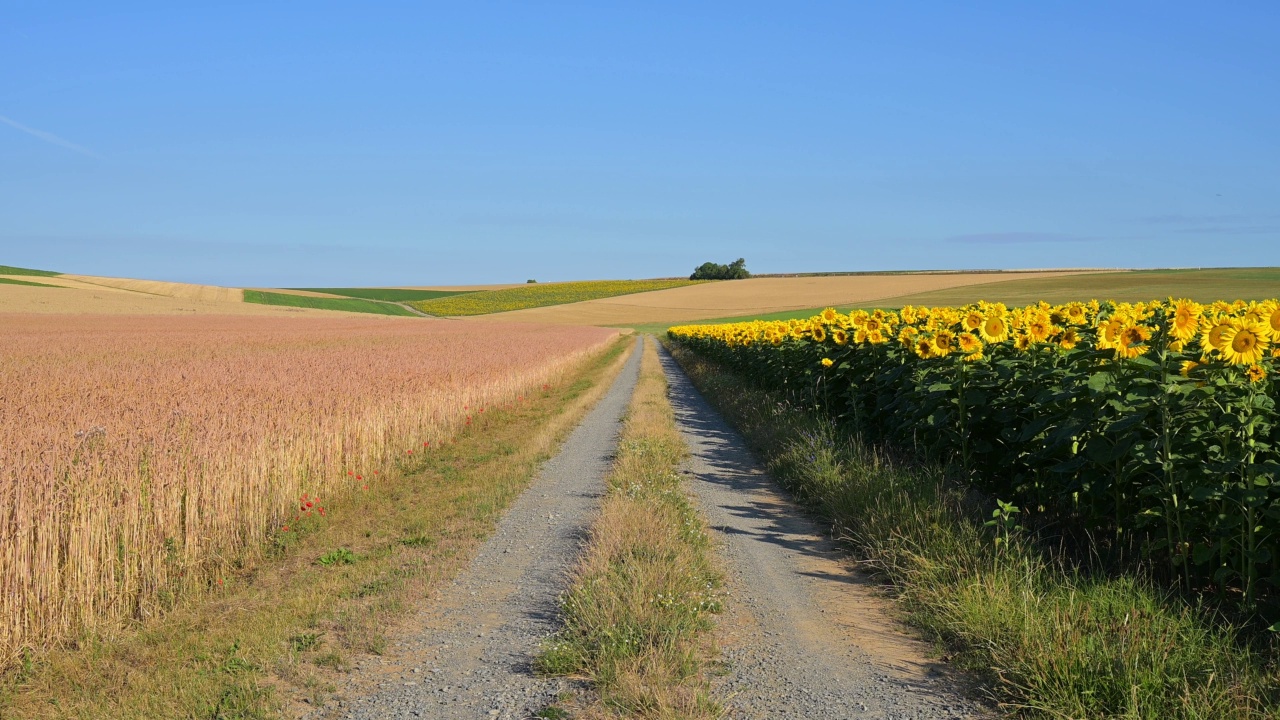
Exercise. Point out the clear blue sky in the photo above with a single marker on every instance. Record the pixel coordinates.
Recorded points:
(384, 143)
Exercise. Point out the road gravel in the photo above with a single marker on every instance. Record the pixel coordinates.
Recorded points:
(804, 635)
(471, 652)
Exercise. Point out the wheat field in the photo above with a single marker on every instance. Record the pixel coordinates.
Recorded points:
(144, 454)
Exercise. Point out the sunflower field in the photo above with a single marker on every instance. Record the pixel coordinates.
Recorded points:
(1133, 426)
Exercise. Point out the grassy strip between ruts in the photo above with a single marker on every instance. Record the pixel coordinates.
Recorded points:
(319, 303)
(1050, 640)
(639, 605)
(280, 634)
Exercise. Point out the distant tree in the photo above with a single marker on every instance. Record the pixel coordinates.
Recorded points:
(530, 281)
(736, 270)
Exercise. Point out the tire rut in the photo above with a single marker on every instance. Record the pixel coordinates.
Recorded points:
(805, 635)
(472, 654)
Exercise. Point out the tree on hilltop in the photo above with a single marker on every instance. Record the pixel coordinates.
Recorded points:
(736, 270)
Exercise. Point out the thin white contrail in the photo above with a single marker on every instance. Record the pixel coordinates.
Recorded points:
(49, 137)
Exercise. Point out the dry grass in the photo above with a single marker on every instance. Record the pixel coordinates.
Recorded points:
(746, 297)
(640, 600)
(141, 454)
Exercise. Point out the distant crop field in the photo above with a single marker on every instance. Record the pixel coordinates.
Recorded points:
(141, 454)
(12, 281)
(10, 270)
(1129, 286)
(386, 294)
(537, 295)
(357, 305)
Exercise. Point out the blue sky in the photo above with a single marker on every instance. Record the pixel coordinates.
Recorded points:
(386, 143)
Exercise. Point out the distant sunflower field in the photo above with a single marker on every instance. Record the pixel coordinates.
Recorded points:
(1145, 428)
(539, 295)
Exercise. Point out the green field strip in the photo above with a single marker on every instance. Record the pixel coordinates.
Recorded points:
(387, 294)
(11, 281)
(532, 296)
(11, 270)
(341, 304)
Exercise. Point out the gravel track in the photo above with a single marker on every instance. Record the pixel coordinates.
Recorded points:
(471, 656)
(804, 635)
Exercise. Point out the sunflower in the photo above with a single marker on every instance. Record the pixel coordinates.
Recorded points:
(875, 337)
(1040, 328)
(840, 337)
(827, 362)
(1129, 344)
(1256, 373)
(969, 343)
(944, 342)
(1022, 342)
(1075, 313)
(1109, 333)
(1188, 366)
(860, 335)
(872, 324)
(1184, 321)
(819, 333)
(972, 320)
(924, 346)
(973, 357)
(1243, 343)
(1070, 338)
(994, 329)
(1211, 334)
(830, 315)
(1273, 321)
(1176, 346)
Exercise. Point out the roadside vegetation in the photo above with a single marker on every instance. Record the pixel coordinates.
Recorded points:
(275, 631)
(386, 294)
(639, 605)
(358, 305)
(540, 295)
(1053, 631)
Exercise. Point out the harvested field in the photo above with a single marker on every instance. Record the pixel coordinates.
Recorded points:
(185, 291)
(91, 300)
(754, 296)
(143, 455)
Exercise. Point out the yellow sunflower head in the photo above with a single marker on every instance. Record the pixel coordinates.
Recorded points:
(1184, 319)
(944, 342)
(875, 337)
(1069, 340)
(819, 333)
(972, 320)
(1129, 343)
(969, 343)
(1022, 342)
(860, 335)
(924, 346)
(840, 337)
(994, 329)
(1256, 373)
(1243, 343)
(1188, 366)
(829, 315)
(1075, 313)
(827, 362)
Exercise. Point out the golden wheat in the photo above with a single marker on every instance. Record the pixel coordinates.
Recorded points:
(140, 455)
